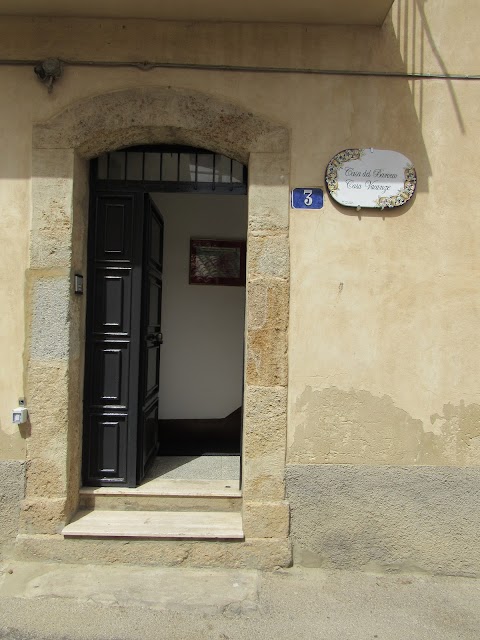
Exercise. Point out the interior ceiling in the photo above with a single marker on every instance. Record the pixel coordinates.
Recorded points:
(362, 12)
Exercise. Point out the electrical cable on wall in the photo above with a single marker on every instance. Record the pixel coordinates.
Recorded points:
(51, 69)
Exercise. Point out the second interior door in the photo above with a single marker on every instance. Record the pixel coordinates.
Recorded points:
(151, 336)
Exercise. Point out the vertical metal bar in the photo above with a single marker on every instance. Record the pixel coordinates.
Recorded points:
(143, 165)
(178, 167)
(108, 166)
(213, 175)
(126, 165)
(231, 174)
(196, 172)
(161, 167)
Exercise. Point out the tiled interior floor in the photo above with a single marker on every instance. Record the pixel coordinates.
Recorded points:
(184, 475)
(196, 468)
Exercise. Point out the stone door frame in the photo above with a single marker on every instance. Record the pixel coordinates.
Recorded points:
(62, 148)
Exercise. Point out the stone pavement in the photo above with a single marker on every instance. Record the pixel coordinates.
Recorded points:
(77, 602)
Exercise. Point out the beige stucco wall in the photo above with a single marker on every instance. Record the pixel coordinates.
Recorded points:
(384, 309)
(15, 206)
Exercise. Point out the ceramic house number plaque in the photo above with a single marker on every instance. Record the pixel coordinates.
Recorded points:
(370, 178)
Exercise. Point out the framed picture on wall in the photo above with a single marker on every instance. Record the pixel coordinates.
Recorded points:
(220, 262)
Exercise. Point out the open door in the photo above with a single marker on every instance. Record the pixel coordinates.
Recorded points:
(151, 337)
(125, 255)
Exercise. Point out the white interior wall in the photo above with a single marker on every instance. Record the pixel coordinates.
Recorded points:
(201, 365)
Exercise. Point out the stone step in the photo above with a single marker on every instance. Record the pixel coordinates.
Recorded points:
(194, 525)
(160, 503)
(251, 553)
(167, 495)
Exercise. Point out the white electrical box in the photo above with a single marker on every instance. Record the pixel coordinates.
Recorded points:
(19, 415)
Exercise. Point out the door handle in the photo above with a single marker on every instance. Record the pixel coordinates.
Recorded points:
(155, 337)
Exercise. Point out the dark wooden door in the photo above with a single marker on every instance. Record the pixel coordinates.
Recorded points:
(151, 337)
(123, 338)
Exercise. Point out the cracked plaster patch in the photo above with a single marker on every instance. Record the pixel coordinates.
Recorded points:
(356, 427)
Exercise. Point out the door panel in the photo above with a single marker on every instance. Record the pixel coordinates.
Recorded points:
(153, 369)
(115, 228)
(113, 290)
(151, 337)
(150, 434)
(156, 240)
(155, 302)
(110, 375)
(114, 294)
(122, 364)
(107, 453)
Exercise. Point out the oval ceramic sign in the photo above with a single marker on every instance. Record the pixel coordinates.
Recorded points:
(371, 178)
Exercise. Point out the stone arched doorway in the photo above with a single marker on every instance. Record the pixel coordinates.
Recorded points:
(62, 148)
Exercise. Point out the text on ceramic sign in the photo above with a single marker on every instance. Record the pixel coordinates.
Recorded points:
(369, 184)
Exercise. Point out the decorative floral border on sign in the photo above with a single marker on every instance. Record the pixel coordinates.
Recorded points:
(405, 195)
(337, 162)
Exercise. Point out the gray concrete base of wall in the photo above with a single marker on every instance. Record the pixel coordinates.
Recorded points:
(12, 488)
(253, 553)
(385, 518)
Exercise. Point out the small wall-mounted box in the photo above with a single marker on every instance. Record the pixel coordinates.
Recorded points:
(20, 415)
(78, 284)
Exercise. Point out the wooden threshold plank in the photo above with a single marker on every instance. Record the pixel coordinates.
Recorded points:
(157, 524)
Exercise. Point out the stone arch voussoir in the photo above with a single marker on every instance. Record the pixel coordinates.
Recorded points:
(108, 121)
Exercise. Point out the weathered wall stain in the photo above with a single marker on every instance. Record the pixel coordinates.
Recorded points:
(459, 432)
(356, 427)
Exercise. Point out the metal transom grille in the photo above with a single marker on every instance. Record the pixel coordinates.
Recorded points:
(171, 169)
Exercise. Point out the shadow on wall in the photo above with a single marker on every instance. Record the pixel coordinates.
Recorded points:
(389, 113)
(383, 112)
(414, 36)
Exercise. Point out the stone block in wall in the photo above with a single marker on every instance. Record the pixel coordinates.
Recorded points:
(48, 385)
(49, 310)
(43, 515)
(52, 188)
(265, 420)
(48, 393)
(45, 475)
(267, 337)
(266, 519)
(264, 443)
(264, 477)
(268, 256)
(268, 193)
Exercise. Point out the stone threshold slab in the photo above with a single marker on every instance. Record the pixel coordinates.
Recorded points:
(208, 525)
(171, 487)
